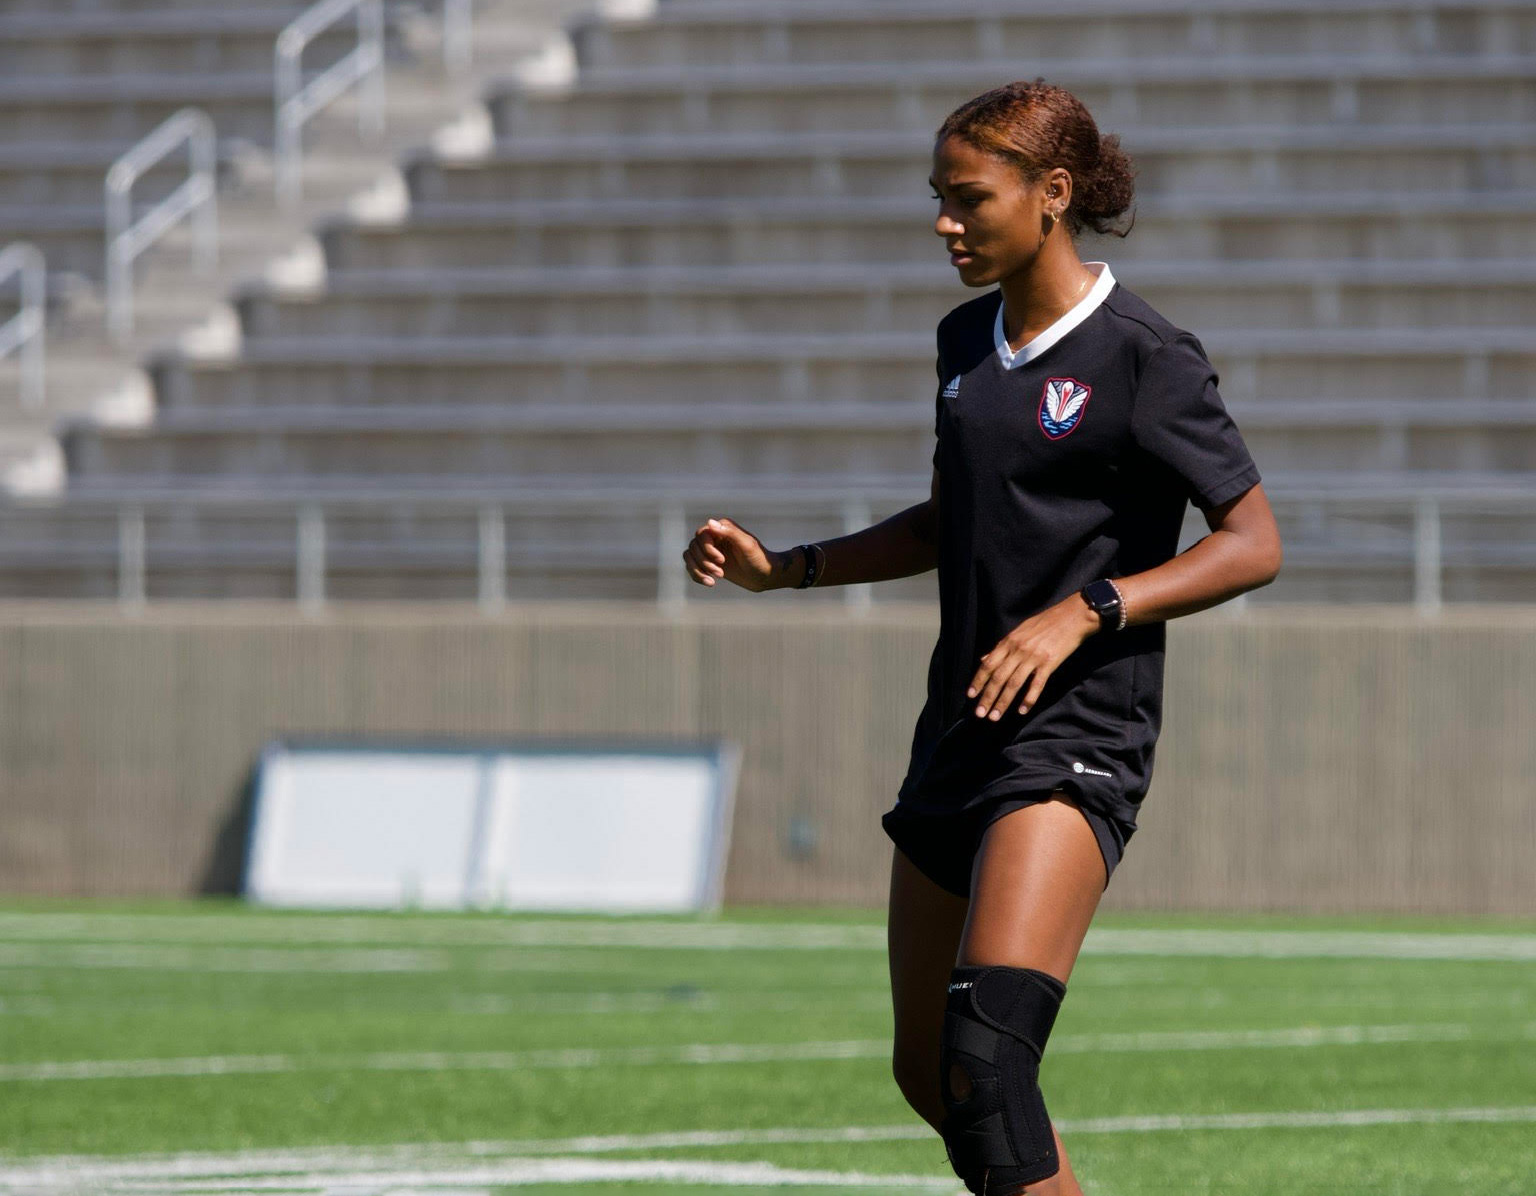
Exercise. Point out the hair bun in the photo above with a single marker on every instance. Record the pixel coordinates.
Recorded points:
(1109, 190)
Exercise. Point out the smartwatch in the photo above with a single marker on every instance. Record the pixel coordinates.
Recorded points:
(1103, 596)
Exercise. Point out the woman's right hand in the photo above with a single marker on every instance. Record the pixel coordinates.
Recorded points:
(723, 548)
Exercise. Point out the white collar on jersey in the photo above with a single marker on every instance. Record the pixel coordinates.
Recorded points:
(1069, 320)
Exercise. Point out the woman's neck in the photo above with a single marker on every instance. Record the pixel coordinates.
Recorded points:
(1037, 296)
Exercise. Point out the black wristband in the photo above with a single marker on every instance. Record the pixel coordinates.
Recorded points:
(811, 570)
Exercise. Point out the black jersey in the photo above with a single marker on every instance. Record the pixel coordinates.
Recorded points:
(1070, 460)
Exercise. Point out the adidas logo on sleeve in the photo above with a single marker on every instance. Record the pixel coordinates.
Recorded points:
(952, 389)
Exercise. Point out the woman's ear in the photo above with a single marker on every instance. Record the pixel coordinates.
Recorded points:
(1058, 189)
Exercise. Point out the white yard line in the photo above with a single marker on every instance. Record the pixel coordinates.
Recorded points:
(1301, 1037)
(1319, 1119)
(694, 1053)
(470, 1163)
(551, 1171)
(681, 1000)
(684, 999)
(506, 932)
(220, 929)
(464, 1173)
(220, 959)
(1295, 944)
(161, 958)
(691, 1000)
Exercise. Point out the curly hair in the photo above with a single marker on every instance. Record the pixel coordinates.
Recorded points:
(1037, 127)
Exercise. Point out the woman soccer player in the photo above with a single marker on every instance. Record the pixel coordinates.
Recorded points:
(1073, 424)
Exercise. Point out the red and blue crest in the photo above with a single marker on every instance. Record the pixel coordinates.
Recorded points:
(1061, 406)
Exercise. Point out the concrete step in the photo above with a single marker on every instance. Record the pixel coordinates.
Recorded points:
(79, 386)
(24, 452)
(126, 8)
(413, 444)
(74, 380)
(79, 332)
(64, 170)
(539, 303)
(607, 416)
(301, 456)
(1449, 364)
(166, 43)
(76, 214)
(1389, 159)
(735, 33)
(131, 39)
(825, 230)
(53, 175)
(740, 441)
(705, 301)
(1362, 494)
(1389, 435)
(504, 372)
(123, 109)
(63, 207)
(249, 233)
(916, 97)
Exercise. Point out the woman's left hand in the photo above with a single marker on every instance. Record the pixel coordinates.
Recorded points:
(1031, 652)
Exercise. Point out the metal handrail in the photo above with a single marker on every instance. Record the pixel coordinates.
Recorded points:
(856, 507)
(127, 238)
(458, 34)
(295, 102)
(25, 330)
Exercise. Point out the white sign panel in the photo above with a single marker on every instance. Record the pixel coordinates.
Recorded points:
(625, 830)
(514, 827)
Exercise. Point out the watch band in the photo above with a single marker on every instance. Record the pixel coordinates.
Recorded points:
(1104, 596)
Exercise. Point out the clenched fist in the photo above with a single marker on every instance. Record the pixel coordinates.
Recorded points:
(723, 548)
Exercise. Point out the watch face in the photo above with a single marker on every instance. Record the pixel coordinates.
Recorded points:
(1101, 595)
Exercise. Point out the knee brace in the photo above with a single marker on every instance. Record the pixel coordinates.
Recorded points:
(996, 1022)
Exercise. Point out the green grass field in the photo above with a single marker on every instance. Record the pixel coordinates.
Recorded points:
(211, 1048)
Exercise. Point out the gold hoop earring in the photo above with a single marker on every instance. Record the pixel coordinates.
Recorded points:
(1055, 217)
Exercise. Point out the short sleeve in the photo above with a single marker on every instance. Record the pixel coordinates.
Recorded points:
(1179, 419)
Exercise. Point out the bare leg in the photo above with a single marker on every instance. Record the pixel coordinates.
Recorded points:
(1038, 878)
(923, 928)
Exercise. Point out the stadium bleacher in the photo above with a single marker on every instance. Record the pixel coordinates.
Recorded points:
(699, 276)
(86, 81)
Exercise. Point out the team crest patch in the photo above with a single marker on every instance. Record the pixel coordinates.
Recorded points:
(1061, 406)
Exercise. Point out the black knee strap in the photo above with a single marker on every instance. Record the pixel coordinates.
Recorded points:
(996, 1023)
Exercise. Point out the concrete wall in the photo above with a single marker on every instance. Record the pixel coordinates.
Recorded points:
(1323, 759)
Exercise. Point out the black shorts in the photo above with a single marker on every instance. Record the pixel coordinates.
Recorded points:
(943, 846)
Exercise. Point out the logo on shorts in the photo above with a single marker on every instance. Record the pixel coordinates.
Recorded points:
(952, 390)
(961, 984)
(1061, 406)
(1079, 766)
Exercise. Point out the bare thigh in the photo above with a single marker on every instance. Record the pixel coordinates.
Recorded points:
(1038, 878)
(923, 928)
